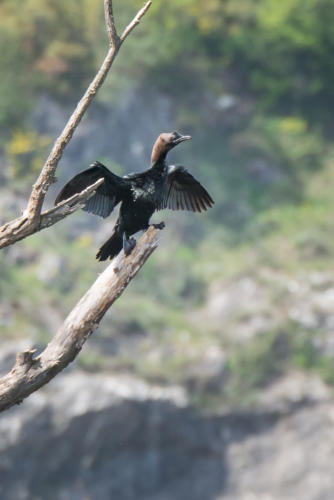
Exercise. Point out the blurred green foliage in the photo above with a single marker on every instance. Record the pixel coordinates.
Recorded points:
(54, 40)
(282, 51)
(270, 54)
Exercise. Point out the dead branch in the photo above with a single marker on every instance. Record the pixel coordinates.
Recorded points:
(135, 21)
(30, 373)
(30, 222)
(49, 217)
(67, 207)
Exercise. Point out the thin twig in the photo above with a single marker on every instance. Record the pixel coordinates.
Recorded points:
(136, 20)
(110, 23)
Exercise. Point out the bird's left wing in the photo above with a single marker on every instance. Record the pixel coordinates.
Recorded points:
(107, 195)
(183, 192)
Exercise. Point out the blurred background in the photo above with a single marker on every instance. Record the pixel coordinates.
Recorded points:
(212, 376)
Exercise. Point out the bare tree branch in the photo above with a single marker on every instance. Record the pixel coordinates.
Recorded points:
(49, 217)
(135, 21)
(67, 207)
(110, 23)
(30, 222)
(29, 373)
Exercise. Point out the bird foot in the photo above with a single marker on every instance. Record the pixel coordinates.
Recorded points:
(129, 245)
(161, 225)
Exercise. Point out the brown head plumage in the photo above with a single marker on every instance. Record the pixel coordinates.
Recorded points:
(164, 143)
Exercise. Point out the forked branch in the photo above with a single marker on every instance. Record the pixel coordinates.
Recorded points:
(49, 217)
(30, 222)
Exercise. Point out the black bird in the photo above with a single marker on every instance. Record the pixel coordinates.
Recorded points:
(141, 194)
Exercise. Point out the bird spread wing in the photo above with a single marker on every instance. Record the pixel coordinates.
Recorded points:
(107, 195)
(183, 192)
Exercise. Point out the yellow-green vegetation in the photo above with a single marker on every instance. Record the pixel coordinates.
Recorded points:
(26, 151)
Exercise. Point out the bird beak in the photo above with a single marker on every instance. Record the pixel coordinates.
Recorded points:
(182, 138)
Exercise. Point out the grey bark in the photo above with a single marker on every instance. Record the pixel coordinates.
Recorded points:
(30, 373)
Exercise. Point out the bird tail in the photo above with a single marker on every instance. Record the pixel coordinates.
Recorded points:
(110, 248)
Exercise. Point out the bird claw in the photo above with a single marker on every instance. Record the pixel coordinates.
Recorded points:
(129, 245)
(161, 225)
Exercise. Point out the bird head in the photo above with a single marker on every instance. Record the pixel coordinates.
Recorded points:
(165, 142)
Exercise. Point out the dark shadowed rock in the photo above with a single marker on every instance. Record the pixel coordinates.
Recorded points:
(103, 437)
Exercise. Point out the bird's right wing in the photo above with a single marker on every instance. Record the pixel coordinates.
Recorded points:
(183, 192)
(107, 195)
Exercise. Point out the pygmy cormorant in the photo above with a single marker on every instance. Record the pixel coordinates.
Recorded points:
(141, 194)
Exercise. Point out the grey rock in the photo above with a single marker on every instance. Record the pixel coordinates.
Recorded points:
(104, 436)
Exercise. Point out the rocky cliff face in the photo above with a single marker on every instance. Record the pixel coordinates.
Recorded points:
(99, 436)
